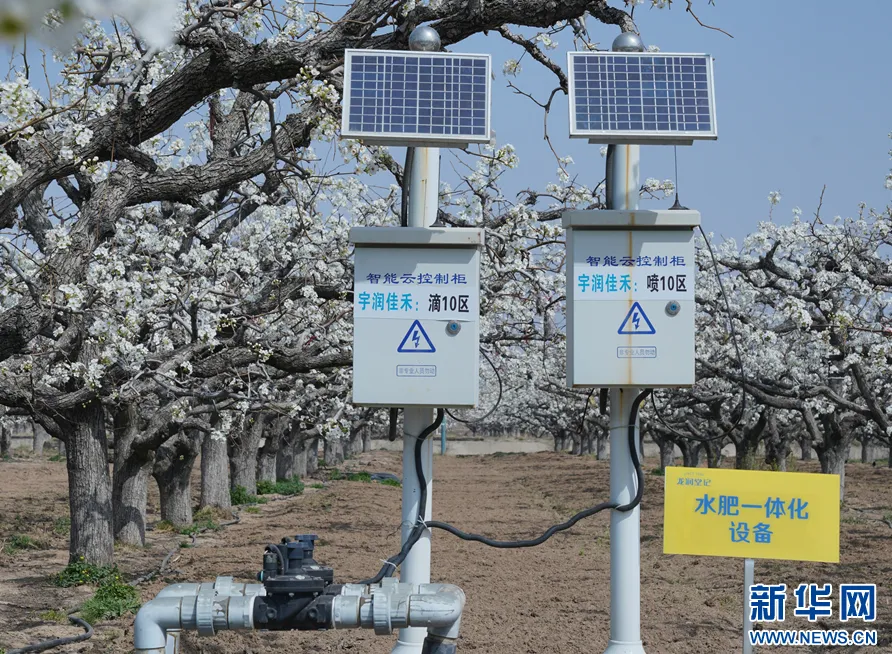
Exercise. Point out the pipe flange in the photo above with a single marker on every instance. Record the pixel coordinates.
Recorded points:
(204, 612)
(381, 612)
(223, 586)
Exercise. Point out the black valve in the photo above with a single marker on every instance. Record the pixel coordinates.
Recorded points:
(294, 557)
(299, 591)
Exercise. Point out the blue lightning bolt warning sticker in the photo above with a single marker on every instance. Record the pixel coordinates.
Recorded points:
(416, 340)
(636, 322)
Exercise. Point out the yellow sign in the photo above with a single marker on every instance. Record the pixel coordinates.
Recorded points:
(752, 514)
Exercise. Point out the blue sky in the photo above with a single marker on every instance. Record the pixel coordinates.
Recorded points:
(804, 99)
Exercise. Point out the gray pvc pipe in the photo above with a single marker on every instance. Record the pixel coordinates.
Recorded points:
(434, 607)
(174, 608)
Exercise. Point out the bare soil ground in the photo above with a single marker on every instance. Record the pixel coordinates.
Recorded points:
(553, 598)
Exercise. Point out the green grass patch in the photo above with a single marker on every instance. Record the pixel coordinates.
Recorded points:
(318, 485)
(57, 458)
(241, 496)
(293, 486)
(80, 572)
(658, 472)
(62, 526)
(19, 543)
(54, 615)
(364, 477)
(203, 520)
(112, 600)
(252, 509)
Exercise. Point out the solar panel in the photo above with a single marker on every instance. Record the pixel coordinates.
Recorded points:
(631, 97)
(412, 98)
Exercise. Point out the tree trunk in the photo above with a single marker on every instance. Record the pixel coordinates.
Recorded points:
(89, 486)
(173, 472)
(266, 456)
(745, 455)
(366, 441)
(130, 480)
(300, 457)
(833, 462)
(601, 440)
(690, 453)
(215, 473)
(834, 450)
(5, 440)
(243, 453)
(777, 447)
(805, 446)
(40, 438)
(333, 451)
(312, 456)
(713, 454)
(867, 449)
(354, 445)
(667, 453)
(285, 456)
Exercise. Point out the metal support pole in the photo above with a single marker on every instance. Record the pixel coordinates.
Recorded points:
(625, 534)
(623, 184)
(424, 198)
(749, 574)
(416, 569)
(424, 184)
(443, 437)
(623, 187)
(424, 187)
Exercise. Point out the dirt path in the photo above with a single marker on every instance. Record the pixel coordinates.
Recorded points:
(553, 598)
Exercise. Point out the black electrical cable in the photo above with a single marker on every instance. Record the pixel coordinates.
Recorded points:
(407, 177)
(736, 340)
(58, 642)
(511, 544)
(393, 417)
(498, 399)
(393, 562)
(419, 527)
(275, 548)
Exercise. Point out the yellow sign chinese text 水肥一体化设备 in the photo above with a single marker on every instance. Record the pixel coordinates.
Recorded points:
(752, 514)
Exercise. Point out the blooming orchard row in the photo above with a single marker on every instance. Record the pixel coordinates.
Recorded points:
(176, 276)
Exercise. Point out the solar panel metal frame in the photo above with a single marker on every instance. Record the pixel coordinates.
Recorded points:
(642, 137)
(416, 139)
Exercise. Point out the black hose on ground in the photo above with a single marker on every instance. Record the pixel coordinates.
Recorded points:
(58, 642)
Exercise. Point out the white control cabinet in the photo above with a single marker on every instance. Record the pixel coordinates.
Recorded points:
(416, 311)
(630, 298)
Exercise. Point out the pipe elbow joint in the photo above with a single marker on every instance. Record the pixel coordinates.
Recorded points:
(439, 608)
(153, 621)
